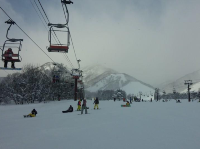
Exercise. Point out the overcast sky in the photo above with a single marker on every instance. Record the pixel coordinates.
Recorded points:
(152, 40)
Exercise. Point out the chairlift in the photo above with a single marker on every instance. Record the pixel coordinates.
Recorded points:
(76, 73)
(55, 28)
(58, 47)
(56, 74)
(10, 45)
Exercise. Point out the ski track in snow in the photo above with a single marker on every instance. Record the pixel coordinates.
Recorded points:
(144, 125)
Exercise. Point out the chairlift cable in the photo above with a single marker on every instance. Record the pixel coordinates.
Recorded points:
(65, 13)
(70, 33)
(73, 47)
(38, 13)
(43, 10)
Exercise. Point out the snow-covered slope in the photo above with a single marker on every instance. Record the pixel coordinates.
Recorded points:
(101, 78)
(179, 83)
(149, 125)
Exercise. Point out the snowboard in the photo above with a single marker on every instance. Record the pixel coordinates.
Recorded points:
(83, 114)
(125, 106)
(66, 112)
(26, 116)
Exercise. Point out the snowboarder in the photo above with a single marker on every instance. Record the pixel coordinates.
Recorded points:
(127, 103)
(32, 114)
(70, 109)
(79, 105)
(96, 102)
(84, 107)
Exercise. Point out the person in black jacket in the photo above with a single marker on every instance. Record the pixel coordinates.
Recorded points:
(96, 102)
(70, 109)
(34, 112)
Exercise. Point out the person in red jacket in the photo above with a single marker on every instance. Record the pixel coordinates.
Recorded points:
(8, 56)
(79, 105)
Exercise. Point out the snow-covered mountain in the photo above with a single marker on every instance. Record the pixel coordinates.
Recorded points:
(179, 83)
(57, 68)
(98, 77)
(92, 72)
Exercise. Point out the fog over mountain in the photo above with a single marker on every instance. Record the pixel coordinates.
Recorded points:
(179, 83)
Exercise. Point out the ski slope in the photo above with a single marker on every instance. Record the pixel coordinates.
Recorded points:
(144, 125)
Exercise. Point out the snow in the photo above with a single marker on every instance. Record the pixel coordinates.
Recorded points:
(144, 125)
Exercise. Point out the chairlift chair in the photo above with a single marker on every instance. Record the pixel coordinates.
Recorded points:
(14, 44)
(76, 73)
(63, 48)
(60, 28)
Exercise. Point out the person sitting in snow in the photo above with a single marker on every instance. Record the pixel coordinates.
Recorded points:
(127, 103)
(33, 113)
(178, 101)
(70, 109)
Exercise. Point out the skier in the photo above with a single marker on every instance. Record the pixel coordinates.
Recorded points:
(8, 57)
(84, 107)
(79, 105)
(96, 102)
(70, 109)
